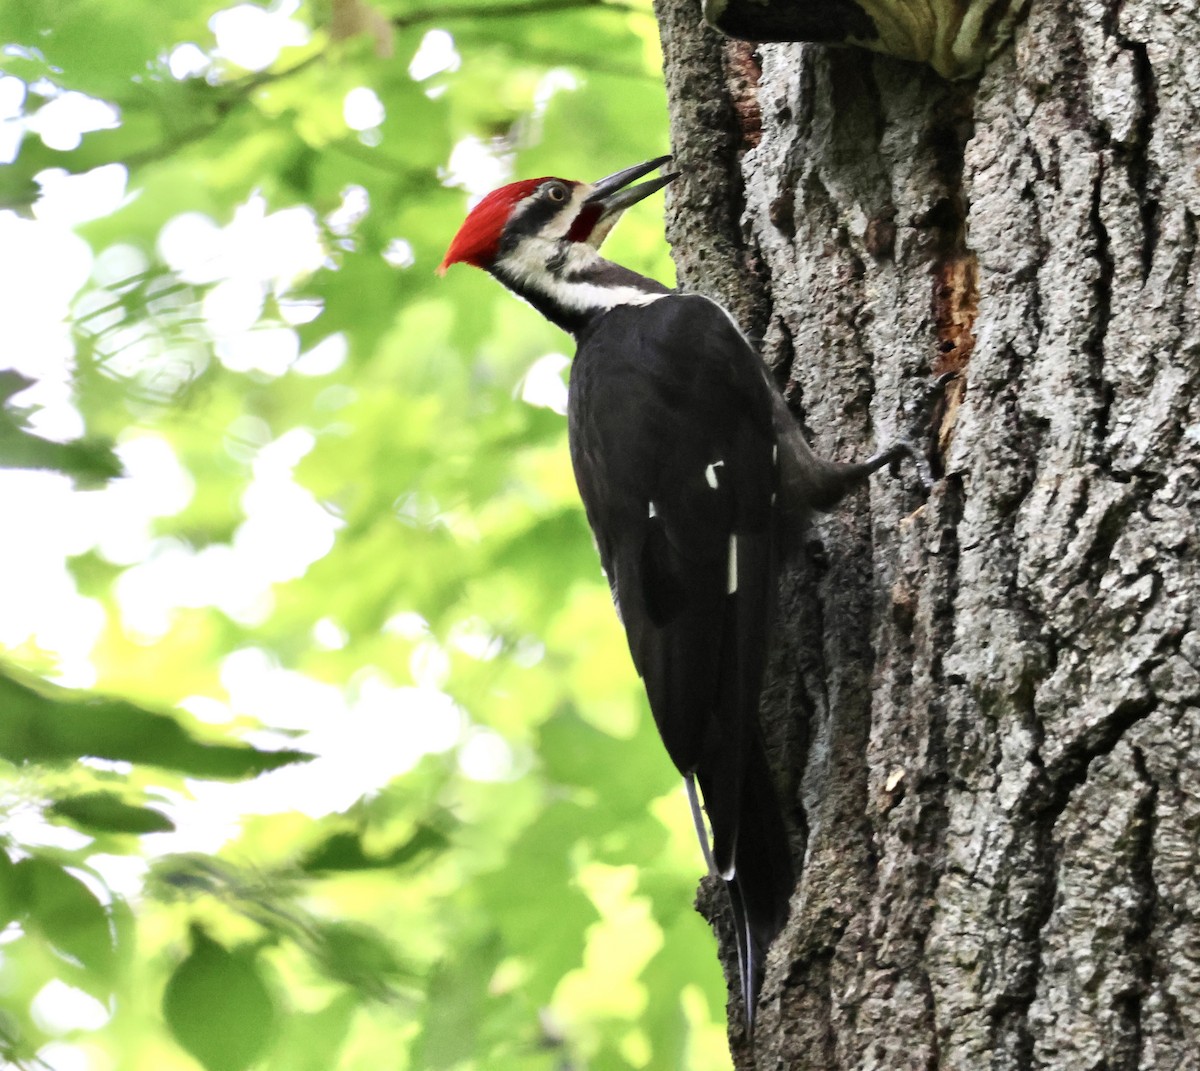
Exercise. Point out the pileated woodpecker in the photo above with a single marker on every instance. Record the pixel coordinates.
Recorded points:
(696, 480)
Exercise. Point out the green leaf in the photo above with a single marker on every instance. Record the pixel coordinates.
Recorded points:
(67, 35)
(573, 750)
(360, 957)
(218, 1007)
(50, 724)
(106, 812)
(313, 1040)
(344, 851)
(13, 382)
(457, 996)
(67, 914)
(13, 1046)
(90, 462)
(10, 900)
(537, 905)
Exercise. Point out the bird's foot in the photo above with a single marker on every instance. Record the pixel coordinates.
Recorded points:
(910, 444)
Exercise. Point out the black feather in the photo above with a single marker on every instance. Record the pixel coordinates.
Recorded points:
(674, 437)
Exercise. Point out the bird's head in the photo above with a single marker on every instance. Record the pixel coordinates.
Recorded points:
(548, 210)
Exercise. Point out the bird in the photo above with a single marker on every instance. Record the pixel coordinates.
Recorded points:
(697, 483)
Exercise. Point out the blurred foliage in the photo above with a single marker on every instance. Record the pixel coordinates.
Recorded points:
(371, 782)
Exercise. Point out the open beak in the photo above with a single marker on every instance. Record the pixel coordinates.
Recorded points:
(614, 194)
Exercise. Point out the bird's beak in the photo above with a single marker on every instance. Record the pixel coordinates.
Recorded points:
(614, 194)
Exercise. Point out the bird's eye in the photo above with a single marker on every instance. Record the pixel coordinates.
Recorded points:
(556, 193)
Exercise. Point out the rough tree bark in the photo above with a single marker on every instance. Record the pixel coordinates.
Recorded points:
(983, 708)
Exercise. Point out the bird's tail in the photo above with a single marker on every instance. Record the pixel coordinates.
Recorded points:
(762, 881)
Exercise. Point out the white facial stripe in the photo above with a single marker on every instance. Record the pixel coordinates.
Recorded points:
(733, 563)
(710, 474)
(653, 511)
(527, 263)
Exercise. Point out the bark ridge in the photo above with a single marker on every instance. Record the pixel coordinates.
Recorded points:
(985, 705)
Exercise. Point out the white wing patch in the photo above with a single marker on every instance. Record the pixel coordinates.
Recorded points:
(733, 563)
(653, 511)
(710, 474)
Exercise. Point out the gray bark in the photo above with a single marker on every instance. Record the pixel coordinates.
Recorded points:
(983, 707)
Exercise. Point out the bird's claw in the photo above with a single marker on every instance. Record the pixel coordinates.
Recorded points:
(939, 384)
(918, 408)
(905, 447)
(918, 411)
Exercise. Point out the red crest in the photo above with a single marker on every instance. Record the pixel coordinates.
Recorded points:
(478, 238)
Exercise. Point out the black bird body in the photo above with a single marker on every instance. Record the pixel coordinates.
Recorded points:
(696, 480)
(675, 453)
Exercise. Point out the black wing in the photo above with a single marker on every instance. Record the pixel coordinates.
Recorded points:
(674, 440)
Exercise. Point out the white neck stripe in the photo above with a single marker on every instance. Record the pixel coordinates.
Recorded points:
(568, 285)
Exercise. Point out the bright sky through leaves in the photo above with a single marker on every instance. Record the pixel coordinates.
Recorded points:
(345, 524)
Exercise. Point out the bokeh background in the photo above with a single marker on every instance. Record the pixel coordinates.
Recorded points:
(319, 743)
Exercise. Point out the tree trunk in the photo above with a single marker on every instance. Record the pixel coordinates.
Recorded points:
(983, 706)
